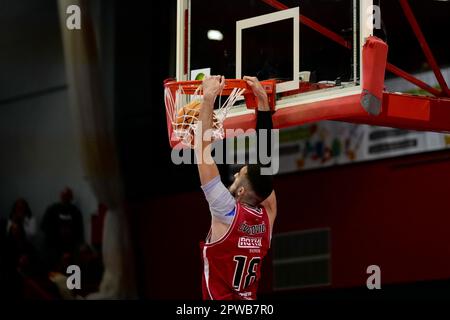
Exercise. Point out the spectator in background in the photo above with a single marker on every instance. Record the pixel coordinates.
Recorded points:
(15, 249)
(63, 229)
(16, 230)
(20, 215)
(22, 274)
(65, 245)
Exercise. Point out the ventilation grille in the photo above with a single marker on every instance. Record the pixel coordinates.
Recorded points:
(301, 259)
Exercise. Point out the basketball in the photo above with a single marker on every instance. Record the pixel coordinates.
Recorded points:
(189, 114)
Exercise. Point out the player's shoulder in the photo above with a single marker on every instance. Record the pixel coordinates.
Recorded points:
(257, 210)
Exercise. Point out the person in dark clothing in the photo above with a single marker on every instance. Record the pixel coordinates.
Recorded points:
(22, 272)
(15, 249)
(63, 229)
(14, 241)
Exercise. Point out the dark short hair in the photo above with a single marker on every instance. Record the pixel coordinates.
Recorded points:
(27, 207)
(262, 185)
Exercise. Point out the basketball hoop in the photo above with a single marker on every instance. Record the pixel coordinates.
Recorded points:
(183, 100)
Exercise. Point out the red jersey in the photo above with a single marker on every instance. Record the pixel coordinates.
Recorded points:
(232, 264)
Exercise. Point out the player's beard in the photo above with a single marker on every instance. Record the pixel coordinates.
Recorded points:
(232, 191)
(234, 188)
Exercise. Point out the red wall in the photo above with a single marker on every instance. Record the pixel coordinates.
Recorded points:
(394, 213)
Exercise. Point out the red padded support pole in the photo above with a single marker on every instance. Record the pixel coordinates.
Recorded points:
(374, 56)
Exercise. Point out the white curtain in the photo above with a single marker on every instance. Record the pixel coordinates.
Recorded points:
(94, 123)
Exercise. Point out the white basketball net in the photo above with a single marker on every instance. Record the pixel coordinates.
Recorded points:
(183, 111)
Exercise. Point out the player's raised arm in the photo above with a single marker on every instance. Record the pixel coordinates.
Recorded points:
(221, 202)
(263, 118)
(263, 122)
(207, 168)
(260, 93)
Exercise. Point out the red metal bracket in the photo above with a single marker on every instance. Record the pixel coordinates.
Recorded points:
(425, 47)
(389, 67)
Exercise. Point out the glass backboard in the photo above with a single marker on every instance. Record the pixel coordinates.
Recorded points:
(311, 47)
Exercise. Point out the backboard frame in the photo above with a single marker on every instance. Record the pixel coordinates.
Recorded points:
(293, 14)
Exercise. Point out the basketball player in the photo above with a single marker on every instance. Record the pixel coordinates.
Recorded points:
(242, 216)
